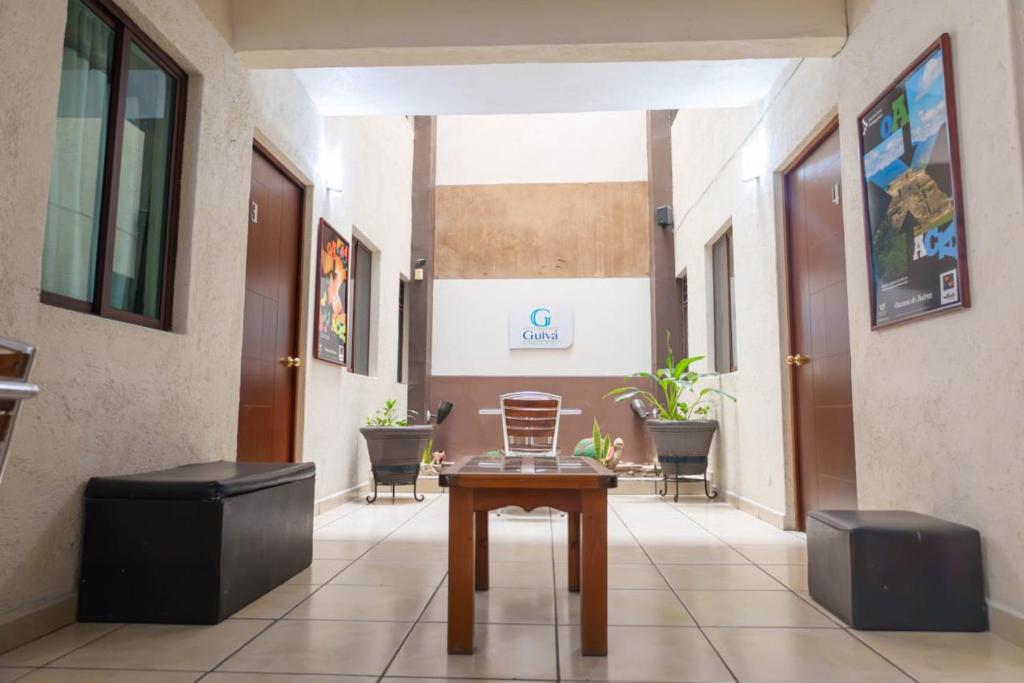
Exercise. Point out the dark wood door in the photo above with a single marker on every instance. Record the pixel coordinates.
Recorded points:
(270, 358)
(819, 359)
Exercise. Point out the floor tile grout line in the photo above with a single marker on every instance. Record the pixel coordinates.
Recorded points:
(554, 593)
(292, 609)
(680, 600)
(79, 647)
(795, 593)
(408, 634)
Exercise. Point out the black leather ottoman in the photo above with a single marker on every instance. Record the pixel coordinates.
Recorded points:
(193, 544)
(896, 570)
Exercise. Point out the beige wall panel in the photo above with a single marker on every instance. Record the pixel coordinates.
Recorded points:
(542, 230)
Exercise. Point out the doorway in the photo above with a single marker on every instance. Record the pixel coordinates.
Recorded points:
(270, 356)
(819, 355)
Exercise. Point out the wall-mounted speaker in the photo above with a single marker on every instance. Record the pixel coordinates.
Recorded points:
(663, 214)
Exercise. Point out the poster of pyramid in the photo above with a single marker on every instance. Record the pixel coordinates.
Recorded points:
(912, 198)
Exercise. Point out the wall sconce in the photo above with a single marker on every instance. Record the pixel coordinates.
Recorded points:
(663, 214)
(417, 273)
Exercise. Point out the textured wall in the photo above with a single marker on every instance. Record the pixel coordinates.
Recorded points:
(937, 401)
(752, 460)
(115, 397)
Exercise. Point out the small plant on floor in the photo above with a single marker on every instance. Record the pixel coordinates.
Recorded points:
(387, 417)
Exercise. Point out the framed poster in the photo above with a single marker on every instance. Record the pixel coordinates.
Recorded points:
(913, 206)
(331, 295)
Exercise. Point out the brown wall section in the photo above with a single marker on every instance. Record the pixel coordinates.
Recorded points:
(467, 432)
(542, 230)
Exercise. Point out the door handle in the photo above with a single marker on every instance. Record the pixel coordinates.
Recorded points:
(291, 362)
(797, 360)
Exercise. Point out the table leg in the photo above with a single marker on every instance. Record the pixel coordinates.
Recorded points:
(594, 594)
(482, 561)
(460, 570)
(574, 552)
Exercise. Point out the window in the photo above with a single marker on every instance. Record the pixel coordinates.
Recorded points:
(362, 269)
(684, 299)
(112, 209)
(724, 294)
(403, 333)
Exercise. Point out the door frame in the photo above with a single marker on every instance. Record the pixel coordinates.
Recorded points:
(830, 126)
(267, 150)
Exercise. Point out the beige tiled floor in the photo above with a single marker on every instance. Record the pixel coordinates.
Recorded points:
(697, 592)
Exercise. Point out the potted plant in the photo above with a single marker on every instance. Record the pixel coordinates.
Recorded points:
(678, 417)
(395, 448)
(600, 447)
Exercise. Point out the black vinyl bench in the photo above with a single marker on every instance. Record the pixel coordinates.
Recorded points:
(895, 570)
(193, 544)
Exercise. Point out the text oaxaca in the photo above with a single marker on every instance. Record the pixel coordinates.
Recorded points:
(540, 327)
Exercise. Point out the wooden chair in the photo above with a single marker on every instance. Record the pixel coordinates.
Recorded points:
(529, 421)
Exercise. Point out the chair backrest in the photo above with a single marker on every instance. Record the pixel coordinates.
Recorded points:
(529, 420)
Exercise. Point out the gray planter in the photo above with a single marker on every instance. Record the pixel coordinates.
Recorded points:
(395, 454)
(682, 447)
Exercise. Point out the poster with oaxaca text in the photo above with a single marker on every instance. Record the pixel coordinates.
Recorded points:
(331, 325)
(913, 207)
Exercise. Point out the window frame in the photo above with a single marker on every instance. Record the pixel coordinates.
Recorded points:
(355, 260)
(127, 33)
(403, 316)
(721, 366)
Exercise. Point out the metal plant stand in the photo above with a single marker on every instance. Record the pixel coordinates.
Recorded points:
(677, 468)
(15, 364)
(395, 475)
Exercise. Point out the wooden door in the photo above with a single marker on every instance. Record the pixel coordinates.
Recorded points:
(819, 358)
(270, 357)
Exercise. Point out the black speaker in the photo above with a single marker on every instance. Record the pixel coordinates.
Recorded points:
(663, 214)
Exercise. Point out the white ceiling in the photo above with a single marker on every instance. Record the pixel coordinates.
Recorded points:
(539, 88)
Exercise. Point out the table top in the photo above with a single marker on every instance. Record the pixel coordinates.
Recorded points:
(527, 471)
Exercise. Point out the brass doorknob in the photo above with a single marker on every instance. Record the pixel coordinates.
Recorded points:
(291, 362)
(797, 360)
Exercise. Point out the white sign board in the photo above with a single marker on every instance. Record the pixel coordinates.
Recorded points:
(540, 327)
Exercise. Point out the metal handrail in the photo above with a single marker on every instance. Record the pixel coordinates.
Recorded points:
(13, 391)
(18, 391)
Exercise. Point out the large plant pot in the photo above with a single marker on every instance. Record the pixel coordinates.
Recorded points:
(395, 454)
(682, 447)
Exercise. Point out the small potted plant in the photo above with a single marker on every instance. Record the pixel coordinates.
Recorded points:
(395, 448)
(600, 447)
(678, 420)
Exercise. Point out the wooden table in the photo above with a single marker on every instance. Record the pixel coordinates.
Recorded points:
(577, 486)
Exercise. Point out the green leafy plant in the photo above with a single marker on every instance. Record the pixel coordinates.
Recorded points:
(428, 453)
(602, 443)
(679, 394)
(387, 416)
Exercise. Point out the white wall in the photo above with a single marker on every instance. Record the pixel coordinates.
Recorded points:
(118, 398)
(470, 330)
(936, 401)
(114, 398)
(710, 193)
(542, 148)
(373, 162)
(370, 159)
(471, 327)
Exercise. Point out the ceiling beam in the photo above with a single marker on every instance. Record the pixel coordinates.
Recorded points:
(326, 33)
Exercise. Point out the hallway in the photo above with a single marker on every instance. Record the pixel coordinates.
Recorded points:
(698, 592)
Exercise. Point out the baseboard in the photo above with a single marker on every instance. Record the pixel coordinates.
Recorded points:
(25, 627)
(755, 509)
(1006, 623)
(335, 499)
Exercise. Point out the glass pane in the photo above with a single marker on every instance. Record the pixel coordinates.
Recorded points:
(76, 181)
(137, 275)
